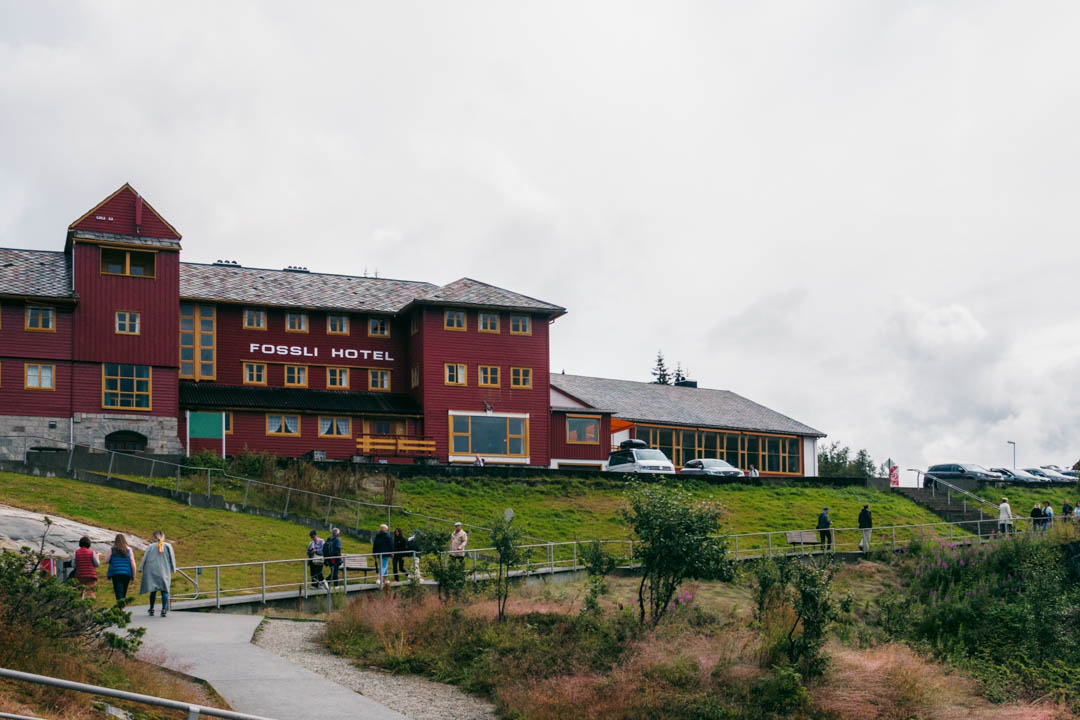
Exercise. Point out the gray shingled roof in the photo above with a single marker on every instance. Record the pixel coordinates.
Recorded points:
(34, 273)
(467, 291)
(126, 239)
(257, 286)
(698, 407)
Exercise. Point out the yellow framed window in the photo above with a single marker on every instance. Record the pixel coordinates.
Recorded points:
(296, 322)
(583, 429)
(455, 374)
(39, 376)
(520, 325)
(40, 319)
(296, 376)
(489, 435)
(126, 387)
(198, 338)
(521, 378)
(379, 380)
(414, 376)
(283, 425)
(128, 263)
(454, 320)
(254, 373)
(127, 322)
(337, 378)
(489, 375)
(254, 319)
(488, 322)
(337, 324)
(335, 427)
(378, 327)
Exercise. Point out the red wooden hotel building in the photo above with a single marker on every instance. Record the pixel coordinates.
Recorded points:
(113, 340)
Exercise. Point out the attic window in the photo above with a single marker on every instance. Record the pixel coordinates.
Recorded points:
(129, 263)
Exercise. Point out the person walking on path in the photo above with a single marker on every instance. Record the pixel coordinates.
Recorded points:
(332, 554)
(157, 568)
(382, 546)
(824, 528)
(401, 549)
(121, 566)
(866, 524)
(315, 558)
(1048, 515)
(458, 540)
(1005, 516)
(86, 564)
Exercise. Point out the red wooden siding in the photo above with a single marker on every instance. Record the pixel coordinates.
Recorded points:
(116, 214)
(100, 296)
(474, 348)
(562, 450)
(235, 349)
(17, 341)
(14, 400)
(86, 394)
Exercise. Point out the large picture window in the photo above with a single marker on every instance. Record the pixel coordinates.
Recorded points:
(583, 429)
(489, 435)
(198, 332)
(125, 386)
(778, 454)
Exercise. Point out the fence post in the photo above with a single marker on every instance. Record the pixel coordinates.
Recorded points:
(177, 478)
(193, 712)
(575, 554)
(307, 577)
(770, 544)
(551, 559)
(736, 547)
(893, 529)
(108, 475)
(264, 583)
(150, 480)
(71, 457)
(208, 483)
(950, 530)
(357, 516)
(217, 587)
(246, 488)
(288, 495)
(329, 505)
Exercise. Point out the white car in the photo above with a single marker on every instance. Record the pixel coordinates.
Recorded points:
(634, 456)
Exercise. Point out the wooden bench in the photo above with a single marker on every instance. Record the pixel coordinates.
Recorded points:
(353, 563)
(803, 537)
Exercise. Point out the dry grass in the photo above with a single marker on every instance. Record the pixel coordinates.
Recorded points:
(892, 682)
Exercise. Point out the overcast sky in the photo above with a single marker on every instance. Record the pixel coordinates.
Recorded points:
(860, 214)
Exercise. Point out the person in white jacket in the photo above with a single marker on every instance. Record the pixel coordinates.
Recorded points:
(1005, 516)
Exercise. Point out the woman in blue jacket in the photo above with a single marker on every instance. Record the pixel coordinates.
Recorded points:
(121, 567)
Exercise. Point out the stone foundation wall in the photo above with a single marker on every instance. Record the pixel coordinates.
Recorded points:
(19, 433)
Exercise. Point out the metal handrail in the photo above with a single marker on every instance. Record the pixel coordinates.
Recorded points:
(193, 710)
(960, 490)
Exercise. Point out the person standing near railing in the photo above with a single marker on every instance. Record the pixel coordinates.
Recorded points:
(1005, 516)
(458, 540)
(866, 524)
(315, 559)
(401, 549)
(158, 566)
(1036, 518)
(332, 554)
(1066, 511)
(824, 528)
(382, 547)
(1048, 515)
(121, 566)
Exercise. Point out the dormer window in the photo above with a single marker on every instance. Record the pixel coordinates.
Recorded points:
(127, 263)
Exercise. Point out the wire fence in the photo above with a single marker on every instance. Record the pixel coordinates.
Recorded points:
(243, 492)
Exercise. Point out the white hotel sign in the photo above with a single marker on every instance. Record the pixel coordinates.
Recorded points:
(309, 352)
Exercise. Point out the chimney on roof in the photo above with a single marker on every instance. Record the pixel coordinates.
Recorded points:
(686, 383)
(296, 268)
(226, 262)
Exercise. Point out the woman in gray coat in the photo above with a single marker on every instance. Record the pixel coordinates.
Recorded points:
(157, 568)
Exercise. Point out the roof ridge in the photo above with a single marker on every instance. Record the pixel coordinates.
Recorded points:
(498, 287)
(646, 382)
(309, 272)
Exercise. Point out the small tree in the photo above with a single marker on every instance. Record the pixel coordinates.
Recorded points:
(450, 576)
(598, 565)
(661, 374)
(505, 539)
(680, 374)
(676, 539)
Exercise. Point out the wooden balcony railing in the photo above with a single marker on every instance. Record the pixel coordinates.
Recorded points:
(400, 445)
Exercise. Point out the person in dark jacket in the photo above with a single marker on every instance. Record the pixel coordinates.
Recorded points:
(331, 551)
(1036, 518)
(315, 561)
(382, 546)
(1066, 511)
(824, 528)
(401, 549)
(866, 524)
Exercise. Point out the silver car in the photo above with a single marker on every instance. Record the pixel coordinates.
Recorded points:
(1018, 475)
(1051, 475)
(710, 466)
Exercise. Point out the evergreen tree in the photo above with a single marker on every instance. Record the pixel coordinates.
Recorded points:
(660, 373)
(680, 374)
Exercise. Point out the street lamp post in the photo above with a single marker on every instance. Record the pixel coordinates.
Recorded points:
(1010, 442)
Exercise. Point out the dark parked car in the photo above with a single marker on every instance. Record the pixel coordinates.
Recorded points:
(1018, 475)
(709, 466)
(957, 471)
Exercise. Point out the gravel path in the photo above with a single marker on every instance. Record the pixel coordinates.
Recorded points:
(413, 696)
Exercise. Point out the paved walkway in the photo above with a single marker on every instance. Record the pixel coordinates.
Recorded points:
(218, 649)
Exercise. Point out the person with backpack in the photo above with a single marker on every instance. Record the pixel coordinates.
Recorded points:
(866, 525)
(332, 554)
(158, 566)
(86, 564)
(824, 528)
(315, 558)
(121, 566)
(382, 547)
